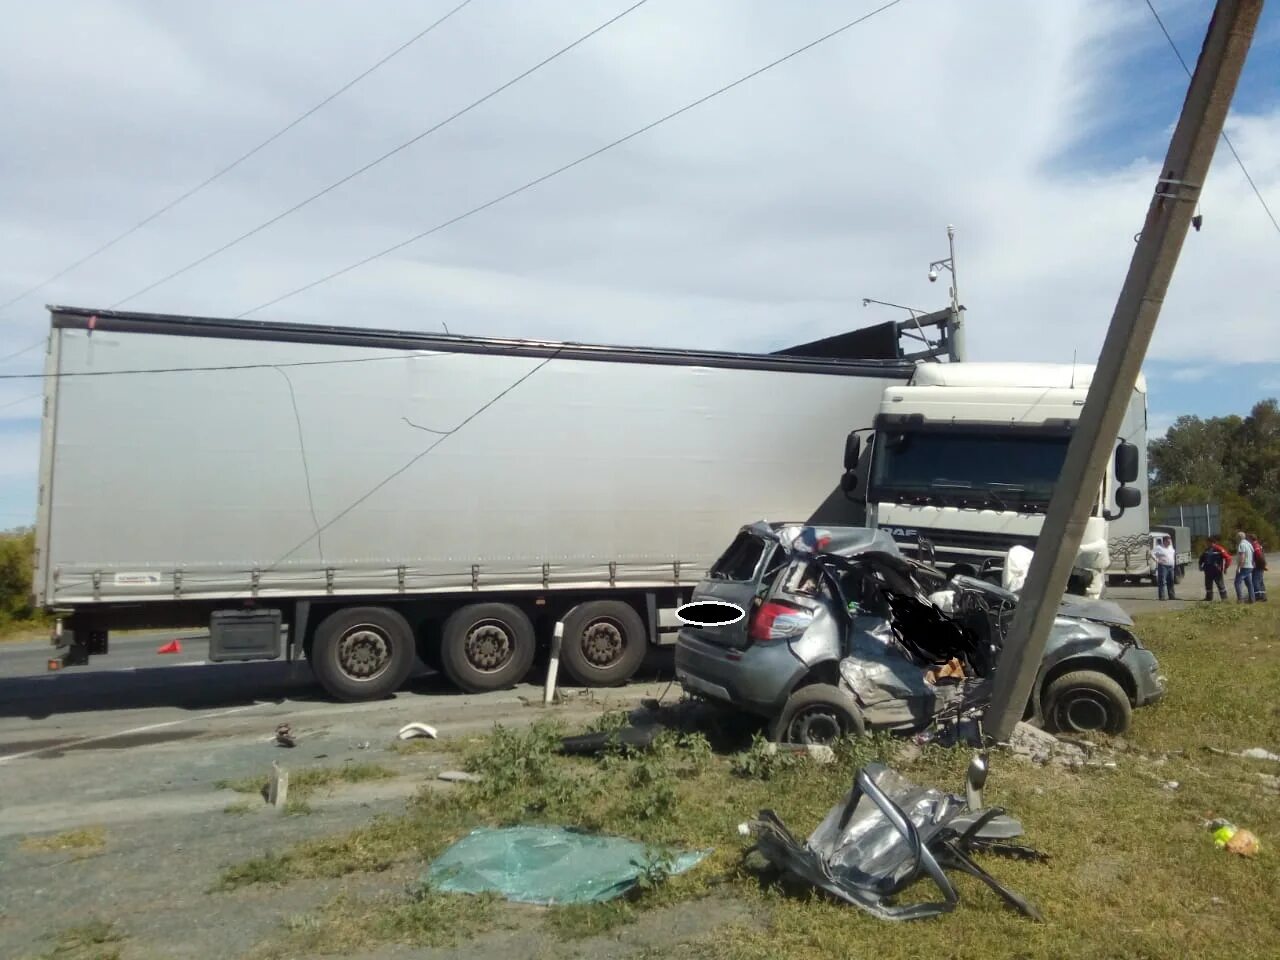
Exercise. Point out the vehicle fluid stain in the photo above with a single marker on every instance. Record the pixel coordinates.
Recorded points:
(710, 613)
(49, 749)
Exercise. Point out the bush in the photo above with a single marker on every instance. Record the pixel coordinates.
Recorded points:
(17, 550)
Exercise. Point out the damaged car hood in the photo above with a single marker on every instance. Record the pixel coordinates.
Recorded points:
(1102, 611)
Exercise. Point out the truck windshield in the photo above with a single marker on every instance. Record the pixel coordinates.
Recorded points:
(1006, 471)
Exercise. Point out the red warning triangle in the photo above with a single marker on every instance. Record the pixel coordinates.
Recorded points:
(173, 646)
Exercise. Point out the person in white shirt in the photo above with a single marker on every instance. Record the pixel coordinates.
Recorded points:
(1165, 557)
(1244, 568)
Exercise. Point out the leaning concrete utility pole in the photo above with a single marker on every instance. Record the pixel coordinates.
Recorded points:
(1178, 188)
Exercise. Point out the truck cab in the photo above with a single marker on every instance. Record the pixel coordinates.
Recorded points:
(964, 458)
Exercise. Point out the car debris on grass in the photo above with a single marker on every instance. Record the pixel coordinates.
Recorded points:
(886, 833)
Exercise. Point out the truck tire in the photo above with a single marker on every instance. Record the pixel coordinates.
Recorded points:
(604, 643)
(362, 653)
(487, 646)
(1178, 573)
(1086, 701)
(818, 714)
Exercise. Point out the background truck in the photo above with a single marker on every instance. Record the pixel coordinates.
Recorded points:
(1134, 564)
(361, 497)
(963, 460)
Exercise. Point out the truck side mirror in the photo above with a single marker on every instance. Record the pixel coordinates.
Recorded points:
(1126, 464)
(1127, 498)
(852, 451)
(849, 482)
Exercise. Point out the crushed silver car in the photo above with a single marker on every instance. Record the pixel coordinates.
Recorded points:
(842, 633)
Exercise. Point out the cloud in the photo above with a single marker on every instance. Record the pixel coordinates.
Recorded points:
(1190, 374)
(759, 219)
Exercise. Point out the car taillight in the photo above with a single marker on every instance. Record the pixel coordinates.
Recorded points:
(778, 621)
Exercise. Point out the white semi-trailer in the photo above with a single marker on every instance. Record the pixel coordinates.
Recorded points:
(361, 497)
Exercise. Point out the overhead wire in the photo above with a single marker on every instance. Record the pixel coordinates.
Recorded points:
(217, 368)
(574, 163)
(359, 171)
(17, 353)
(234, 163)
(1226, 139)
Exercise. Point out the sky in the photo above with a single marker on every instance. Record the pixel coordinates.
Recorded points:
(756, 220)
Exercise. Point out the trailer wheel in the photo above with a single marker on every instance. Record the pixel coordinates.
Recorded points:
(487, 646)
(362, 653)
(604, 643)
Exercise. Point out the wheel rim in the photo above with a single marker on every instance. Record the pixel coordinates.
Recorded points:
(815, 725)
(603, 643)
(364, 652)
(1083, 711)
(489, 646)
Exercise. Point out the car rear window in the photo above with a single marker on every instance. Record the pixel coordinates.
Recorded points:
(739, 562)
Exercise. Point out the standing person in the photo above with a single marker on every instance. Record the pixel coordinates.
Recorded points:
(1163, 553)
(1259, 567)
(1213, 561)
(1244, 568)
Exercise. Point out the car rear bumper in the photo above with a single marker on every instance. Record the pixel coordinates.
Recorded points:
(756, 679)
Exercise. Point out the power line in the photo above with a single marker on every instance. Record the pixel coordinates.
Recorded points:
(1227, 140)
(569, 166)
(377, 160)
(444, 435)
(406, 355)
(14, 403)
(234, 163)
(17, 353)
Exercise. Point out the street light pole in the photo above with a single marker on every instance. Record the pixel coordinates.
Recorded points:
(957, 324)
(955, 331)
(1168, 216)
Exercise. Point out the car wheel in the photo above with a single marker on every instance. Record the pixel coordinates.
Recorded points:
(1086, 701)
(604, 643)
(818, 714)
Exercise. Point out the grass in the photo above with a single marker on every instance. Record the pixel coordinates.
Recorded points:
(304, 784)
(81, 840)
(95, 940)
(578, 921)
(20, 631)
(1133, 872)
(422, 917)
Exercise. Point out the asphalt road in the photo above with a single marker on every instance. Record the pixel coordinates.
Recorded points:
(137, 695)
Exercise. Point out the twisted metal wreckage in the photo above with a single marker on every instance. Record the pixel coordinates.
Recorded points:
(888, 831)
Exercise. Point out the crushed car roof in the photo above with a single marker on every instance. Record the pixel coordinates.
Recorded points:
(837, 541)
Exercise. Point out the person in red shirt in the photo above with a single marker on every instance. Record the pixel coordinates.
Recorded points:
(1226, 554)
(1259, 567)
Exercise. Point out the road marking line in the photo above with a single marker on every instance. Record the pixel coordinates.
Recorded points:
(125, 733)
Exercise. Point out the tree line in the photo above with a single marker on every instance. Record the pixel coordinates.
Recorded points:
(1233, 461)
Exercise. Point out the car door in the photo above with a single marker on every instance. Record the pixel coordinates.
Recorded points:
(741, 577)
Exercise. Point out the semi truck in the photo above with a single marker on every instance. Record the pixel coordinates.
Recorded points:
(962, 461)
(366, 498)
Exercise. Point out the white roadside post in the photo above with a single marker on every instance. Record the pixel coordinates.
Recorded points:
(553, 667)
